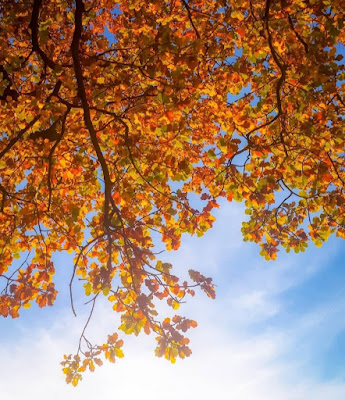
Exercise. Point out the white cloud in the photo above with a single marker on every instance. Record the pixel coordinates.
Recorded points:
(232, 359)
(223, 365)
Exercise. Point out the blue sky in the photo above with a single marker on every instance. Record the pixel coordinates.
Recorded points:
(275, 331)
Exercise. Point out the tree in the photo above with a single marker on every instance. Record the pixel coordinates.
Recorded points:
(113, 114)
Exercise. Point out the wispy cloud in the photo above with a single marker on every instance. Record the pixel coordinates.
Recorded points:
(251, 344)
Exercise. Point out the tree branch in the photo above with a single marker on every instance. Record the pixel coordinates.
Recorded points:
(34, 34)
(21, 133)
(87, 117)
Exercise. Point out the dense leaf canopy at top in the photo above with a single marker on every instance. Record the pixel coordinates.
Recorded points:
(113, 112)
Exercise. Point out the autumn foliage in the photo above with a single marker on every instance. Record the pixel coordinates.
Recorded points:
(116, 114)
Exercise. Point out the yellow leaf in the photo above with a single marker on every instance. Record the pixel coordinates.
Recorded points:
(119, 353)
(106, 291)
(75, 381)
(175, 305)
(88, 288)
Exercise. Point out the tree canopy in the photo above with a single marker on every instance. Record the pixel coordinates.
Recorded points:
(117, 115)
